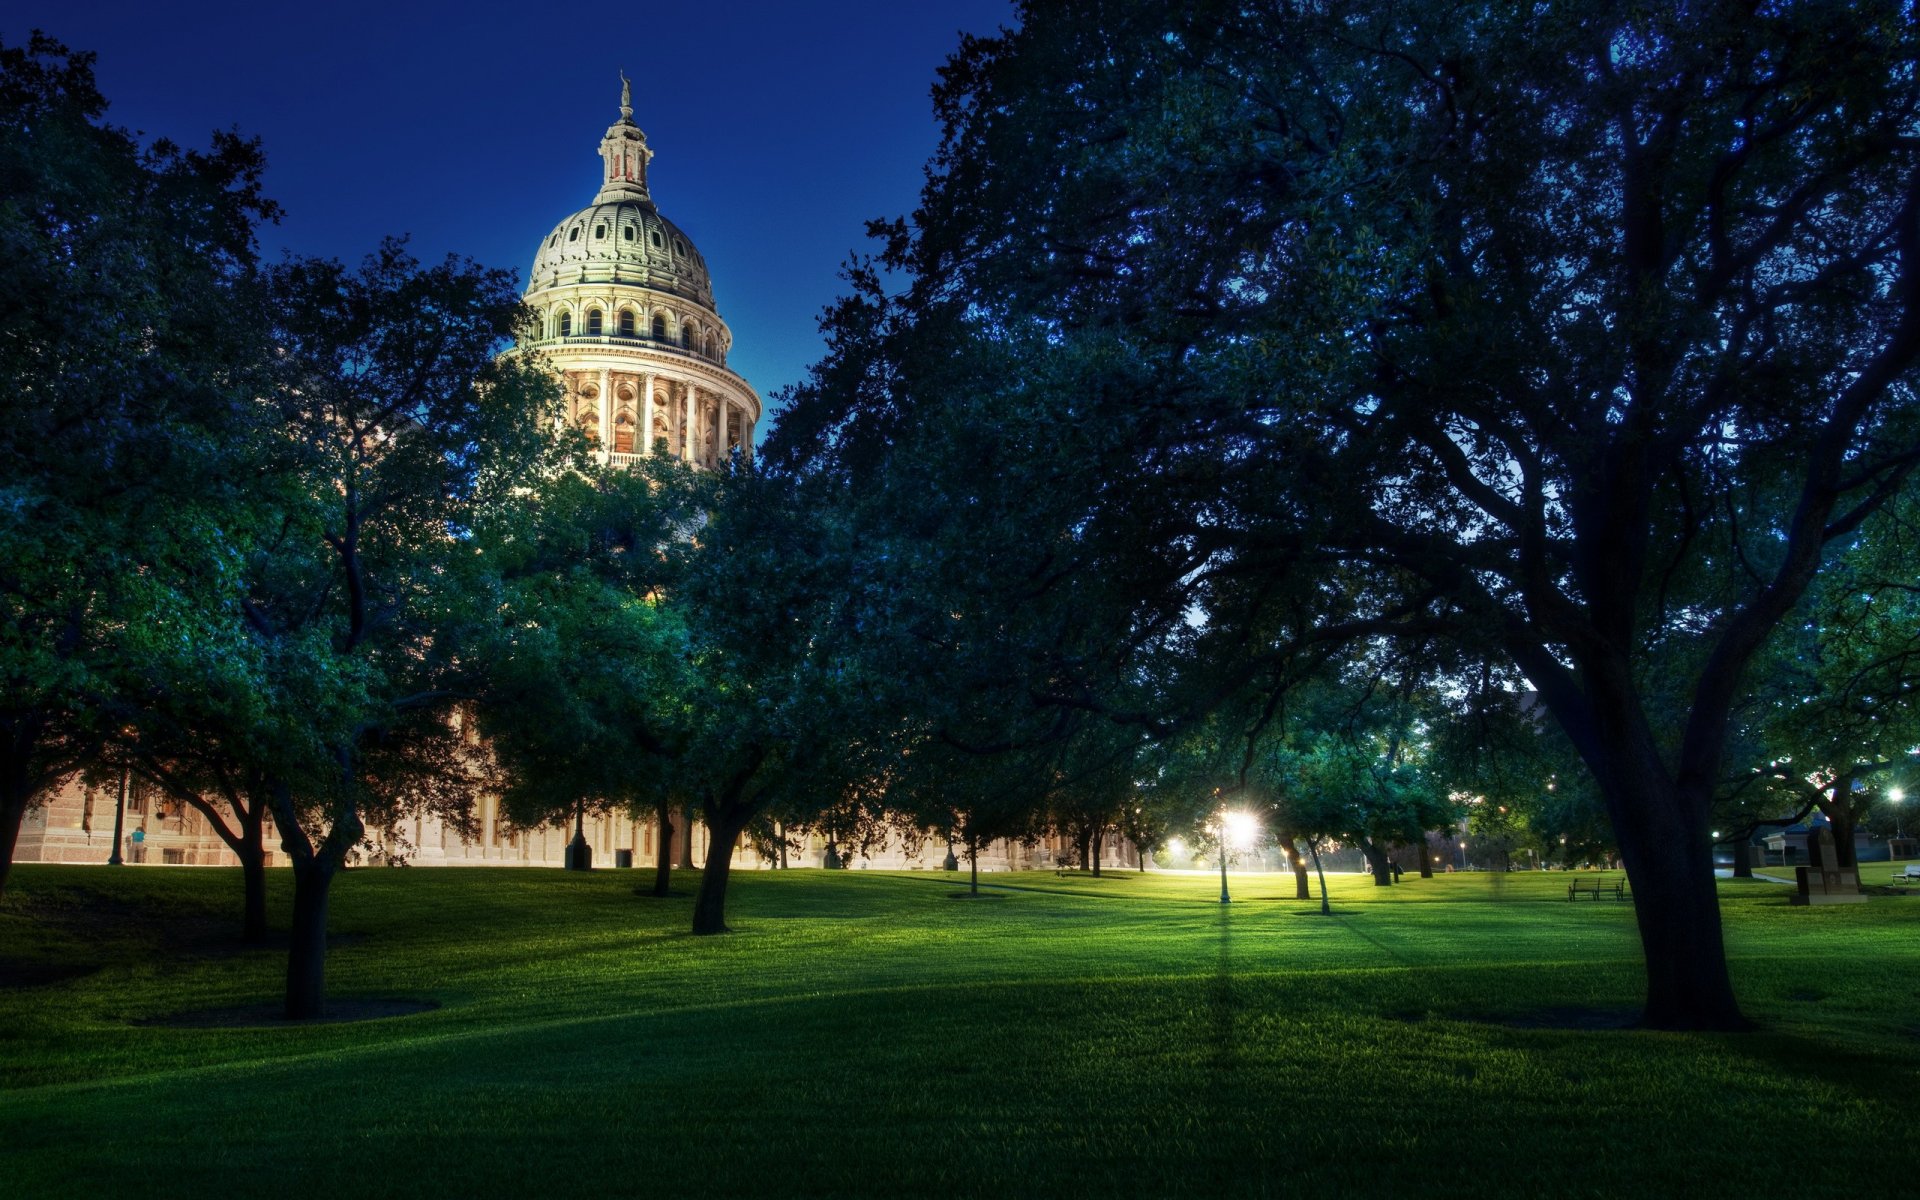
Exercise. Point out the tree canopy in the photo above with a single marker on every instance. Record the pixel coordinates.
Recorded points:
(1577, 333)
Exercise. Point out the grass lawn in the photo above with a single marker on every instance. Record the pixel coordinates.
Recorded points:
(871, 1033)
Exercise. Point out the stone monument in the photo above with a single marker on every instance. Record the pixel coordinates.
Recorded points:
(1824, 881)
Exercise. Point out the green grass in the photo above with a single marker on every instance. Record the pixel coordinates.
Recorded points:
(870, 1033)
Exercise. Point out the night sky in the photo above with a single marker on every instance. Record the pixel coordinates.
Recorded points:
(777, 129)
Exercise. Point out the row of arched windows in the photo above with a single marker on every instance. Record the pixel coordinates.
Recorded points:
(627, 234)
(593, 323)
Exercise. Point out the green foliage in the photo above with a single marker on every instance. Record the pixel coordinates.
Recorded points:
(400, 433)
(588, 686)
(1567, 335)
(126, 366)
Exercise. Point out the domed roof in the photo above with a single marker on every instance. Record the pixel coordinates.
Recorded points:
(623, 240)
(621, 237)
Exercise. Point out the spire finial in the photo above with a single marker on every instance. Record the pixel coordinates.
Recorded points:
(626, 97)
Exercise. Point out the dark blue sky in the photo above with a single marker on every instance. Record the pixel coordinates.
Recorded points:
(778, 129)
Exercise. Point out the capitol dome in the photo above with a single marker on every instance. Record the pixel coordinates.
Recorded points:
(623, 241)
(626, 316)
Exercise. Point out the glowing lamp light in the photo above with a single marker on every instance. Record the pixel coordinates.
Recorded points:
(1241, 828)
(1897, 794)
(1176, 847)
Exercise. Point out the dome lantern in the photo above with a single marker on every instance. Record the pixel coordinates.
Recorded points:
(624, 149)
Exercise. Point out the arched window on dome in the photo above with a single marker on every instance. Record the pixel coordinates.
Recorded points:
(623, 427)
(599, 231)
(574, 234)
(653, 235)
(686, 337)
(593, 322)
(679, 247)
(659, 327)
(626, 232)
(626, 322)
(565, 324)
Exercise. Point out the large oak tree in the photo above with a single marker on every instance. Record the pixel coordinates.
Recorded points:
(1580, 330)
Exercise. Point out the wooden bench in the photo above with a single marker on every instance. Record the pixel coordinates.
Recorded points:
(1597, 889)
(1910, 875)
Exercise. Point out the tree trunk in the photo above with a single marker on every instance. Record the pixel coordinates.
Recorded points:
(1668, 853)
(1099, 836)
(1743, 859)
(1841, 814)
(1377, 862)
(973, 867)
(686, 839)
(1326, 908)
(1426, 857)
(710, 904)
(13, 812)
(1302, 889)
(252, 853)
(663, 856)
(1082, 845)
(307, 955)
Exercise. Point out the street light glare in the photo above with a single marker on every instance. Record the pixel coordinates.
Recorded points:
(1241, 828)
(1897, 795)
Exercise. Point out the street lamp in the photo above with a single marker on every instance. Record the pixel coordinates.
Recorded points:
(1463, 855)
(1224, 898)
(119, 821)
(1235, 828)
(1896, 795)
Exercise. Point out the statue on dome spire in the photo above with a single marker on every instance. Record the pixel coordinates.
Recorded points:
(624, 149)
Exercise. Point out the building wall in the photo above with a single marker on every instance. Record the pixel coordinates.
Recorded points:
(77, 827)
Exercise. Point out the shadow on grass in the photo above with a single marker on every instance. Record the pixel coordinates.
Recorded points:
(269, 1014)
(27, 973)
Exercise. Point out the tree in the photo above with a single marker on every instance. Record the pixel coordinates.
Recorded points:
(1582, 331)
(1832, 721)
(777, 716)
(125, 342)
(587, 687)
(401, 429)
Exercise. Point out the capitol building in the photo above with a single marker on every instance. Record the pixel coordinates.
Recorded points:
(626, 318)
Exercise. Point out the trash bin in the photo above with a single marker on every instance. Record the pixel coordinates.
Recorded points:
(623, 858)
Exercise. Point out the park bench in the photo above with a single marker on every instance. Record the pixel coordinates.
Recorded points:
(1597, 889)
(1910, 875)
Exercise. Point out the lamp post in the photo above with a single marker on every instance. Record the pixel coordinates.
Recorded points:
(1896, 795)
(1463, 856)
(1224, 898)
(579, 853)
(119, 821)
